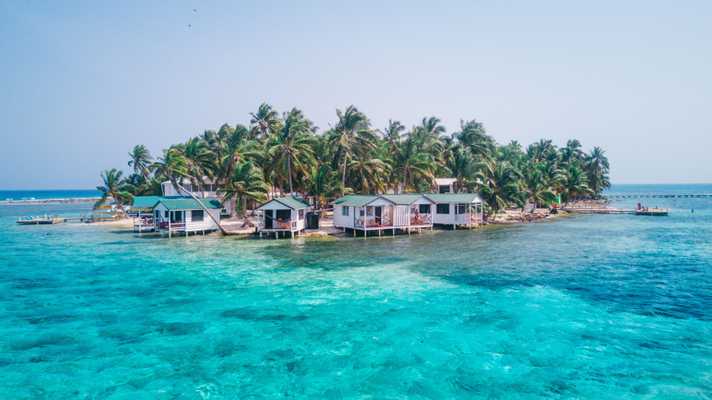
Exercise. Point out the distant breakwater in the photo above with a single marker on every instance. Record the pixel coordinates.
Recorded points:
(71, 200)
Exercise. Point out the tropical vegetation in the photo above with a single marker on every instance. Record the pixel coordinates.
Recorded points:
(278, 154)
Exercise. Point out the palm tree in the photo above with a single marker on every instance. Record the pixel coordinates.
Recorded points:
(350, 138)
(536, 185)
(499, 184)
(575, 183)
(291, 149)
(246, 183)
(172, 166)
(140, 161)
(199, 159)
(368, 175)
(473, 136)
(264, 122)
(414, 167)
(113, 187)
(597, 168)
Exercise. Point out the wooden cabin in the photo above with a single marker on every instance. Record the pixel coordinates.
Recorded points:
(282, 215)
(405, 212)
(184, 215)
(142, 213)
(457, 209)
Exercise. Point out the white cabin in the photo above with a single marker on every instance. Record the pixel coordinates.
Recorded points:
(457, 209)
(383, 212)
(184, 215)
(283, 215)
(205, 190)
(142, 212)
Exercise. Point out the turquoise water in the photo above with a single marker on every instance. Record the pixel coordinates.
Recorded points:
(47, 194)
(596, 307)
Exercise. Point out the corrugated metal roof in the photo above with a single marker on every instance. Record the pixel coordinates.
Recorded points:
(403, 199)
(355, 200)
(188, 203)
(454, 197)
(145, 201)
(293, 202)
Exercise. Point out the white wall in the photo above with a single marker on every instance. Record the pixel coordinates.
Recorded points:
(294, 214)
(343, 221)
(207, 224)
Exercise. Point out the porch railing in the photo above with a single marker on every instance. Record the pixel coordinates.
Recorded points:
(421, 219)
(277, 224)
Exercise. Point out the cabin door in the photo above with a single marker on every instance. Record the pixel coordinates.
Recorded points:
(269, 217)
(378, 212)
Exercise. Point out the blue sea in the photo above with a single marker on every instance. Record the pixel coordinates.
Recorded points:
(585, 307)
(47, 194)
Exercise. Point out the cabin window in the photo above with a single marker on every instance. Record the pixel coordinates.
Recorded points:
(283, 215)
(157, 214)
(301, 215)
(424, 208)
(165, 214)
(176, 217)
(461, 209)
(443, 208)
(360, 212)
(345, 211)
(444, 189)
(196, 215)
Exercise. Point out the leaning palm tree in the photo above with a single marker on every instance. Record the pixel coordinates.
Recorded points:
(172, 166)
(291, 149)
(140, 161)
(114, 188)
(246, 183)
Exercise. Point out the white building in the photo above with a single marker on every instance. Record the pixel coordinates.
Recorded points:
(445, 185)
(405, 212)
(184, 215)
(282, 215)
(456, 209)
(206, 189)
(142, 212)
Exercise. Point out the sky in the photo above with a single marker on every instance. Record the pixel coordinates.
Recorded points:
(83, 82)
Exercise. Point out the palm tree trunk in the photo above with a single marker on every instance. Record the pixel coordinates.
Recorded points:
(205, 209)
(343, 178)
(289, 171)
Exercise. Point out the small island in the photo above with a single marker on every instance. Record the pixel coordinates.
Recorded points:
(285, 155)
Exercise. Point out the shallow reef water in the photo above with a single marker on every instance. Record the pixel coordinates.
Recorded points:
(599, 307)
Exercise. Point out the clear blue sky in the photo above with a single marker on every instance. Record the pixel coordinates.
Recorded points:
(82, 82)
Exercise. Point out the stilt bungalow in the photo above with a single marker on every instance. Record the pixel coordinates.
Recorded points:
(282, 216)
(205, 189)
(456, 209)
(405, 212)
(184, 215)
(142, 213)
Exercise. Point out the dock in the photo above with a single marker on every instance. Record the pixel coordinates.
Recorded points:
(614, 196)
(604, 210)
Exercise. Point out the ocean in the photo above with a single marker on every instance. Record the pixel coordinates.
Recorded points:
(590, 307)
(47, 194)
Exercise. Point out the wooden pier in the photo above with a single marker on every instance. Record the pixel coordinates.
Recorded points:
(614, 196)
